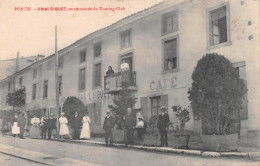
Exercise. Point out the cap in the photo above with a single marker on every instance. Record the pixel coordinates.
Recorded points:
(163, 107)
(107, 110)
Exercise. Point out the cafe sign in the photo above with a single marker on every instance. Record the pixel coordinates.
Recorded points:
(163, 84)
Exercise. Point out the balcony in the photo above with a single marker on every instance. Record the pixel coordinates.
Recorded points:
(113, 83)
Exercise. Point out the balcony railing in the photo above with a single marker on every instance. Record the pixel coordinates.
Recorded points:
(115, 81)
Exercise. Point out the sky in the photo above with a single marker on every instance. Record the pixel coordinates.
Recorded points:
(33, 32)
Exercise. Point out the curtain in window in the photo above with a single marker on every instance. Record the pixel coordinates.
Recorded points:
(170, 61)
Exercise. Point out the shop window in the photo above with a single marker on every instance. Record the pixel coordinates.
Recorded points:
(97, 75)
(126, 39)
(169, 23)
(170, 54)
(82, 79)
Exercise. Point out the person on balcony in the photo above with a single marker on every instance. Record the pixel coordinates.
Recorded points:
(110, 71)
(124, 66)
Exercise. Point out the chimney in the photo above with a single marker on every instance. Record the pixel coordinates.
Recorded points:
(17, 62)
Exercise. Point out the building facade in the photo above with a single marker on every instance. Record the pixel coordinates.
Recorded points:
(162, 46)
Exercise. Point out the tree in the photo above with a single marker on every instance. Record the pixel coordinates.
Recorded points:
(16, 98)
(123, 100)
(216, 93)
(71, 105)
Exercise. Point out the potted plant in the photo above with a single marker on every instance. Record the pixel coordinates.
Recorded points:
(216, 98)
(151, 134)
(180, 140)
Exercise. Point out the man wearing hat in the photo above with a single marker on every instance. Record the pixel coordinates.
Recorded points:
(108, 126)
(51, 124)
(162, 125)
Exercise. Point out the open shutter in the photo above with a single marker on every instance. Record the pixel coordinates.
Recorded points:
(164, 101)
(144, 105)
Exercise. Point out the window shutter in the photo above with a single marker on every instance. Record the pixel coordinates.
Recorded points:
(164, 101)
(144, 105)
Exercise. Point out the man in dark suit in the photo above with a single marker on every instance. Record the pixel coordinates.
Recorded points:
(51, 124)
(21, 123)
(77, 124)
(162, 125)
(130, 123)
(108, 126)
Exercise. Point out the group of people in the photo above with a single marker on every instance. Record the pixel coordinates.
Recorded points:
(132, 121)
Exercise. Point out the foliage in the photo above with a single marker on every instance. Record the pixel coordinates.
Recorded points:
(183, 115)
(123, 100)
(72, 105)
(16, 98)
(216, 93)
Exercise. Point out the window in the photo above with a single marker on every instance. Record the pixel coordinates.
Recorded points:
(126, 39)
(60, 84)
(45, 89)
(155, 105)
(97, 75)
(82, 79)
(170, 54)
(60, 62)
(169, 23)
(82, 56)
(218, 26)
(97, 50)
(21, 81)
(34, 73)
(34, 92)
(49, 65)
(97, 113)
(9, 86)
(128, 59)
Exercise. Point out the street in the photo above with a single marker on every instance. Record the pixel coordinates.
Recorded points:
(100, 155)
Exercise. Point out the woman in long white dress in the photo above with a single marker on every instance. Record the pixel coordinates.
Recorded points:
(85, 132)
(64, 130)
(35, 131)
(15, 128)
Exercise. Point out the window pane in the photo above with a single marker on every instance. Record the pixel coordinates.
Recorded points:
(97, 113)
(82, 77)
(45, 90)
(60, 84)
(97, 50)
(97, 75)
(83, 56)
(170, 54)
(126, 39)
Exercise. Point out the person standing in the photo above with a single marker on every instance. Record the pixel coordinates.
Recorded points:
(15, 128)
(51, 125)
(110, 71)
(21, 124)
(77, 125)
(130, 122)
(85, 132)
(139, 125)
(35, 132)
(108, 126)
(43, 127)
(162, 125)
(64, 130)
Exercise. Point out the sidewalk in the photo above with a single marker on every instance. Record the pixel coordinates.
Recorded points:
(245, 152)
